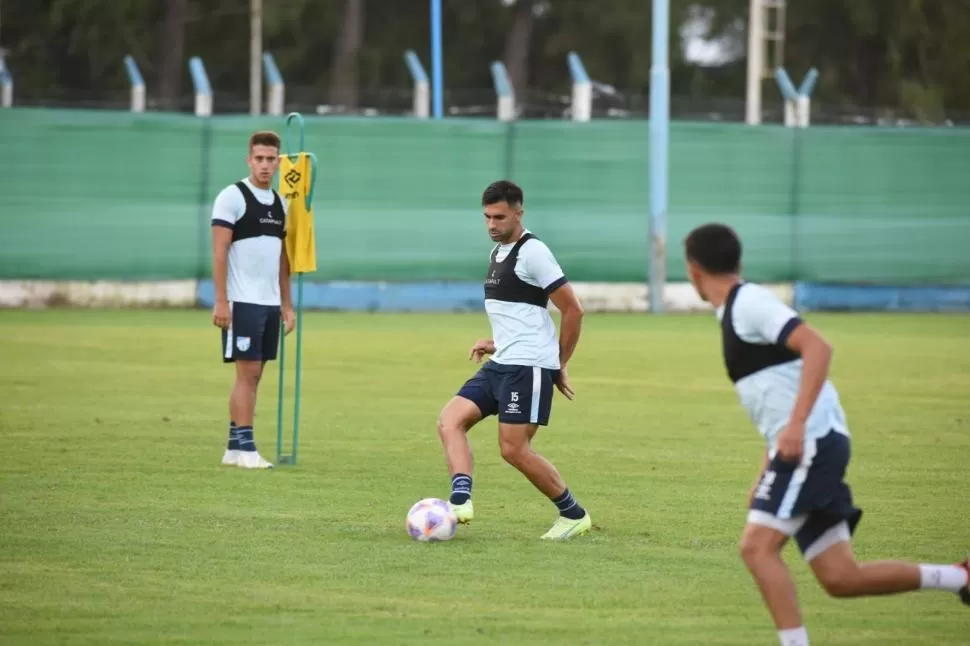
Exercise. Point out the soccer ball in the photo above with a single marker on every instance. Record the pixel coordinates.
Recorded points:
(431, 520)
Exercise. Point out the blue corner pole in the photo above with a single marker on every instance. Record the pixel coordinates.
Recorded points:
(437, 101)
(659, 132)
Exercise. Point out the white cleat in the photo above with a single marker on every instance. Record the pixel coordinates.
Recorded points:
(253, 460)
(231, 458)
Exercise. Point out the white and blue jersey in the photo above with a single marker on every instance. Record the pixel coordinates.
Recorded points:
(521, 275)
(257, 218)
(807, 499)
(755, 325)
(517, 383)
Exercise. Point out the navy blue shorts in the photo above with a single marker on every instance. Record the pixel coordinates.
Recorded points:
(253, 334)
(809, 500)
(517, 394)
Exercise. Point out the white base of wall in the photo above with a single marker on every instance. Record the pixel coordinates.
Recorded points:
(49, 293)
(633, 297)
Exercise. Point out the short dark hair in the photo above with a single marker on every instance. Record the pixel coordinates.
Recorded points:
(503, 191)
(715, 247)
(264, 138)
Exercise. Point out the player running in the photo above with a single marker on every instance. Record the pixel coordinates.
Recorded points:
(526, 361)
(779, 367)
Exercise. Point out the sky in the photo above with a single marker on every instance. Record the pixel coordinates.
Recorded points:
(718, 51)
(697, 49)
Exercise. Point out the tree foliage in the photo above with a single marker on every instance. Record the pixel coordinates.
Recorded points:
(908, 55)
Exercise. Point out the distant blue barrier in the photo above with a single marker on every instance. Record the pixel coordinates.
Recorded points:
(380, 297)
(468, 297)
(879, 298)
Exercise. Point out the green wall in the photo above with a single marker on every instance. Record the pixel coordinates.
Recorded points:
(112, 195)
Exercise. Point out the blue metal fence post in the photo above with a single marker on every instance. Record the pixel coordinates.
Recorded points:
(797, 102)
(659, 132)
(275, 86)
(419, 78)
(137, 85)
(203, 91)
(6, 84)
(505, 110)
(437, 82)
(582, 104)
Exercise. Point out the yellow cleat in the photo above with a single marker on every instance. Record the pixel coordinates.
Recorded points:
(465, 511)
(565, 528)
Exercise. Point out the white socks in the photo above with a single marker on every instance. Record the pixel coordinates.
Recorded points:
(793, 637)
(935, 577)
(942, 577)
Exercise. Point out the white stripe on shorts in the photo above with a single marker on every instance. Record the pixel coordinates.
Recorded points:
(797, 480)
(536, 394)
(228, 349)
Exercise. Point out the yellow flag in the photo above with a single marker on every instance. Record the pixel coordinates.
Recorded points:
(295, 185)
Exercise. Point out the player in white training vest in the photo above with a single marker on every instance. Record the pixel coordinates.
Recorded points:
(251, 276)
(779, 367)
(527, 360)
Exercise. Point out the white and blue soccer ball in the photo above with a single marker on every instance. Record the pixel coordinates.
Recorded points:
(431, 520)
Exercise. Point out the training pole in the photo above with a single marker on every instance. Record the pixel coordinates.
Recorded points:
(281, 456)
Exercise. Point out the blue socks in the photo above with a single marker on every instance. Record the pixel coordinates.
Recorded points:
(233, 438)
(461, 492)
(461, 488)
(568, 507)
(244, 436)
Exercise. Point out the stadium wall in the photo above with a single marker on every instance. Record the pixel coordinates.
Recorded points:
(112, 207)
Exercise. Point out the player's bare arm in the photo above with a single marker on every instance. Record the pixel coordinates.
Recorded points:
(481, 348)
(571, 323)
(289, 318)
(221, 240)
(816, 354)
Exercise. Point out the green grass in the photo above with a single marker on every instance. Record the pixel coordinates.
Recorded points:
(121, 527)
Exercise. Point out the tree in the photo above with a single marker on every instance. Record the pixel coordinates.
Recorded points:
(171, 53)
(344, 80)
(908, 56)
(517, 45)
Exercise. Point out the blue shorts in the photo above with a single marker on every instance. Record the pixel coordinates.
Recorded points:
(517, 394)
(253, 334)
(809, 500)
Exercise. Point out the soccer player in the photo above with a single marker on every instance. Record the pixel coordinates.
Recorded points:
(251, 275)
(779, 366)
(526, 361)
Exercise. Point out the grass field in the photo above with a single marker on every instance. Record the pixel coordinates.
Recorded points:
(121, 527)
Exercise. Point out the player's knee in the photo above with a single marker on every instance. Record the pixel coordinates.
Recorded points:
(840, 583)
(753, 550)
(444, 429)
(448, 427)
(250, 376)
(513, 452)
